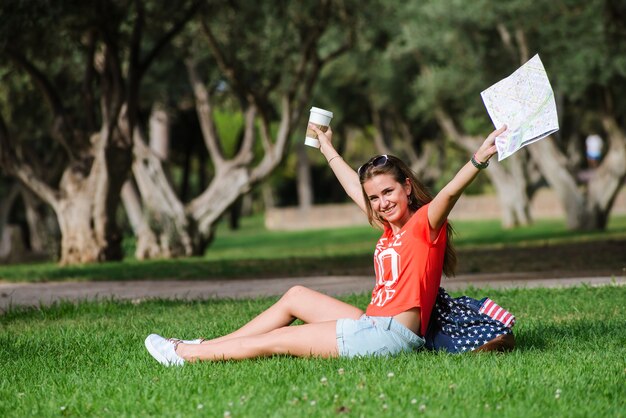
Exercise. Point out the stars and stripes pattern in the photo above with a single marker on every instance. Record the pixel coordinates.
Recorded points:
(497, 312)
(463, 324)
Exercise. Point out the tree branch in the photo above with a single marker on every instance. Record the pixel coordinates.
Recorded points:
(21, 170)
(204, 110)
(88, 95)
(309, 49)
(520, 37)
(231, 72)
(273, 153)
(244, 156)
(316, 64)
(169, 35)
(449, 127)
(113, 83)
(134, 67)
(381, 137)
(61, 129)
(265, 135)
(7, 203)
(505, 37)
(407, 141)
(7, 153)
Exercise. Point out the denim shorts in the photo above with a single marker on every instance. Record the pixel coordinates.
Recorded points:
(375, 336)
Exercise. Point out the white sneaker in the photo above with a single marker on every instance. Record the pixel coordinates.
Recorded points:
(164, 350)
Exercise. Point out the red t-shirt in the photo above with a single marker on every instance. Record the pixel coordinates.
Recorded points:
(408, 269)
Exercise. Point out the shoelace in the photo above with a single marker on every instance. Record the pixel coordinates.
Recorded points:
(175, 341)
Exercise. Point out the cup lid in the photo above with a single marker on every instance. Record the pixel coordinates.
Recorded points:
(322, 111)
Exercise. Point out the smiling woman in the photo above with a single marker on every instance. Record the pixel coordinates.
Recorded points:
(390, 199)
(414, 250)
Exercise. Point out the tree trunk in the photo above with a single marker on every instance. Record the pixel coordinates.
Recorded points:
(392, 135)
(224, 189)
(304, 178)
(382, 136)
(86, 206)
(146, 246)
(609, 178)
(79, 241)
(164, 212)
(194, 225)
(86, 201)
(514, 201)
(510, 178)
(40, 236)
(12, 249)
(9, 234)
(551, 162)
(159, 132)
(185, 183)
(165, 231)
(586, 207)
(88, 196)
(234, 214)
(7, 203)
(269, 202)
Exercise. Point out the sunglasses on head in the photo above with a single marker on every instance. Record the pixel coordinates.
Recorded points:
(374, 162)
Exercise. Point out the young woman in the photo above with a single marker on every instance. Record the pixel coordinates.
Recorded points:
(410, 257)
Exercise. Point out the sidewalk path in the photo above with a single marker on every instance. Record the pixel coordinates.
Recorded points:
(36, 294)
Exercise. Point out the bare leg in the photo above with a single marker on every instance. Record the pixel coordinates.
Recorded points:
(309, 340)
(298, 302)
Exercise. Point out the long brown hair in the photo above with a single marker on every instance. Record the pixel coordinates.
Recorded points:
(419, 197)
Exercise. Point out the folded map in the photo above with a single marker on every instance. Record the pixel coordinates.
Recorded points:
(524, 102)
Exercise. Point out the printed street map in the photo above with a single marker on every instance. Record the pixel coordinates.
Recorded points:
(524, 101)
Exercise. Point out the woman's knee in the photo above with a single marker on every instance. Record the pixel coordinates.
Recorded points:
(295, 292)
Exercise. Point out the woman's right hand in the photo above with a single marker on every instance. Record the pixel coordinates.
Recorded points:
(488, 147)
(325, 138)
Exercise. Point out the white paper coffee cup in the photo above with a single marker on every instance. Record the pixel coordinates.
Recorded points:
(321, 118)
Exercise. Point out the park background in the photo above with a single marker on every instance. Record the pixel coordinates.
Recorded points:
(154, 140)
(154, 122)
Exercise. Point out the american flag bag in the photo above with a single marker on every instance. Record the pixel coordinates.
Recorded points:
(463, 324)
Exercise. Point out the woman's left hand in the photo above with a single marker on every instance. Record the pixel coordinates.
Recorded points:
(488, 147)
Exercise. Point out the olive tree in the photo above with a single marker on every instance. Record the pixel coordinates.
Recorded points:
(269, 71)
(86, 62)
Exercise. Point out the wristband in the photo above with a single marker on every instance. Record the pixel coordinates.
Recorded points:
(478, 165)
(334, 158)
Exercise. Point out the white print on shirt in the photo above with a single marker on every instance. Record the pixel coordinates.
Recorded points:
(388, 266)
(383, 296)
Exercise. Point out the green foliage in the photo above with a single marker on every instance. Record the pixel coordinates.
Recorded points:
(405, 59)
(89, 360)
(577, 39)
(55, 38)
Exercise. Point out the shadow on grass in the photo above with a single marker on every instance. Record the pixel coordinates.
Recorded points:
(194, 268)
(571, 334)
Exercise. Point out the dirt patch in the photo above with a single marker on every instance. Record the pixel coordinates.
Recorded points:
(607, 258)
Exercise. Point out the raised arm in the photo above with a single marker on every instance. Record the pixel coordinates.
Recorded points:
(348, 178)
(445, 200)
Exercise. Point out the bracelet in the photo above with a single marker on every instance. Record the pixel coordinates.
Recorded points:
(334, 158)
(478, 165)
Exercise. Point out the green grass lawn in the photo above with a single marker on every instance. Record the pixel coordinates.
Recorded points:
(89, 360)
(253, 240)
(253, 251)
